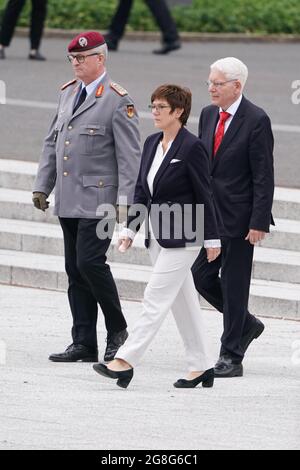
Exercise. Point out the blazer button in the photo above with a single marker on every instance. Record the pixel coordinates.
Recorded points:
(100, 184)
(66, 158)
(67, 142)
(66, 173)
(70, 128)
(92, 131)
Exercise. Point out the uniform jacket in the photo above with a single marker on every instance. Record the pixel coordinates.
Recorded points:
(93, 156)
(242, 173)
(182, 179)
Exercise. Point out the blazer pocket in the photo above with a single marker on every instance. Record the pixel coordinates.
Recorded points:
(101, 190)
(92, 135)
(172, 162)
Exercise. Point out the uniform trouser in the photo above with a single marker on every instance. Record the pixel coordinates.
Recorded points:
(160, 11)
(170, 287)
(90, 281)
(229, 293)
(10, 18)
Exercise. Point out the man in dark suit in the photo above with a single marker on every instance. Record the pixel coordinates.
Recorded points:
(162, 15)
(239, 140)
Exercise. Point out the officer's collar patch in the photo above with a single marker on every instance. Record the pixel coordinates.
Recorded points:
(100, 91)
(119, 89)
(71, 82)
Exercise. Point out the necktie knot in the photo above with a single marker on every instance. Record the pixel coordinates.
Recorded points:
(224, 116)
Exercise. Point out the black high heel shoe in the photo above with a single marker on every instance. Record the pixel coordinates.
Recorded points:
(207, 380)
(123, 377)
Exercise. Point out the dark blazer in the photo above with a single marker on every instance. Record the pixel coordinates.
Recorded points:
(186, 182)
(242, 171)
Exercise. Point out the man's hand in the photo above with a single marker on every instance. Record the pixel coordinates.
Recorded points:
(124, 243)
(40, 201)
(255, 236)
(212, 254)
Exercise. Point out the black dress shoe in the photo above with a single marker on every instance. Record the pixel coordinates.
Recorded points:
(168, 47)
(123, 377)
(2, 54)
(252, 334)
(36, 56)
(114, 342)
(207, 380)
(111, 43)
(226, 367)
(75, 353)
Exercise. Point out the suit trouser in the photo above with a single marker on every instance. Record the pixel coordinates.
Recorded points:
(160, 12)
(90, 281)
(171, 286)
(10, 18)
(229, 293)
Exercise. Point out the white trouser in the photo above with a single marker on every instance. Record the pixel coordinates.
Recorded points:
(171, 286)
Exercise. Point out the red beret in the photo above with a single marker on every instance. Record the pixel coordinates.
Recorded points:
(86, 41)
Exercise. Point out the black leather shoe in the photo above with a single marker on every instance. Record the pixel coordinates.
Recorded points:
(252, 334)
(123, 377)
(226, 367)
(36, 56)
(2, 54)
(114, 342)
(168, 47)
(75, 353)
(112, 43)
(207, 380)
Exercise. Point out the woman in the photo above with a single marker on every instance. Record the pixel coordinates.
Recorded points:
(174, 172)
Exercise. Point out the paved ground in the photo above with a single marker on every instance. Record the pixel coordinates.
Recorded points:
(273, 68)
(48, 406)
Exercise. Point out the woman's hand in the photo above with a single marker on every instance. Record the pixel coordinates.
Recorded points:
(124, 243)
(212, 254)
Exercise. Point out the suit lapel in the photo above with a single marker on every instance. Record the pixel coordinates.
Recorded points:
(233, 129)
(150, 157)
(170, 155)
(211, 132)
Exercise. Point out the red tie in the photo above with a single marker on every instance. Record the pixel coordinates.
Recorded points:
(220, 132)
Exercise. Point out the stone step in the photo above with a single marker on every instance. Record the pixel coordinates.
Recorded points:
(276, 299)
(285, 235)
(15, 174)
(269, 263)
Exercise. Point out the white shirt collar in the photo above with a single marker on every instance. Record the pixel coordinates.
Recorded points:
(234, 107)
(92, 86)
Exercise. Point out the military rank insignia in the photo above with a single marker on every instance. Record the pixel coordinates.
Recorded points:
(100, 91)
(130, 110)
(118, 89)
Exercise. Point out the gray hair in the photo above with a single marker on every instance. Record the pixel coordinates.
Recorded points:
(233, 69)
(102, 50)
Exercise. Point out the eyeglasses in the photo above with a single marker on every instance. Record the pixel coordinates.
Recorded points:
(80, 57)
(158, 107)
(219, 84)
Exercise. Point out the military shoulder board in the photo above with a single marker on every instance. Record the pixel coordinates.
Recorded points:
(71, 82)
(119, 89)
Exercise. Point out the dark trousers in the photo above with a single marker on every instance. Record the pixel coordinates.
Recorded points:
(10, 18)
(160, 11)
(90, 281)
(229, 293)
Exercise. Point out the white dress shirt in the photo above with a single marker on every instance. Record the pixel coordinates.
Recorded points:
(231, 110)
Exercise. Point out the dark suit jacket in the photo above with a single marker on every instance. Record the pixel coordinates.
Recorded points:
(186, 182)
(242, 171)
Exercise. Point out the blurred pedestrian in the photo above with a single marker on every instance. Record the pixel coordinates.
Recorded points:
(9, 21)
(161, 13)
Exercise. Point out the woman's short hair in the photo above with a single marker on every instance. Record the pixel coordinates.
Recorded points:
(176, 97)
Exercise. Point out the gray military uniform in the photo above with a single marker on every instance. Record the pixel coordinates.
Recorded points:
(93, 156)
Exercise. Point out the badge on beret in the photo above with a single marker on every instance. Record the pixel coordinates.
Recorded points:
(83, 42)
(130, 110)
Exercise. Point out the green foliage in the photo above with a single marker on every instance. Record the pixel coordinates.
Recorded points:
(240, 16)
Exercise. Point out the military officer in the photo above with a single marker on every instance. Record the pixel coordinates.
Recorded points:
(91, 156)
